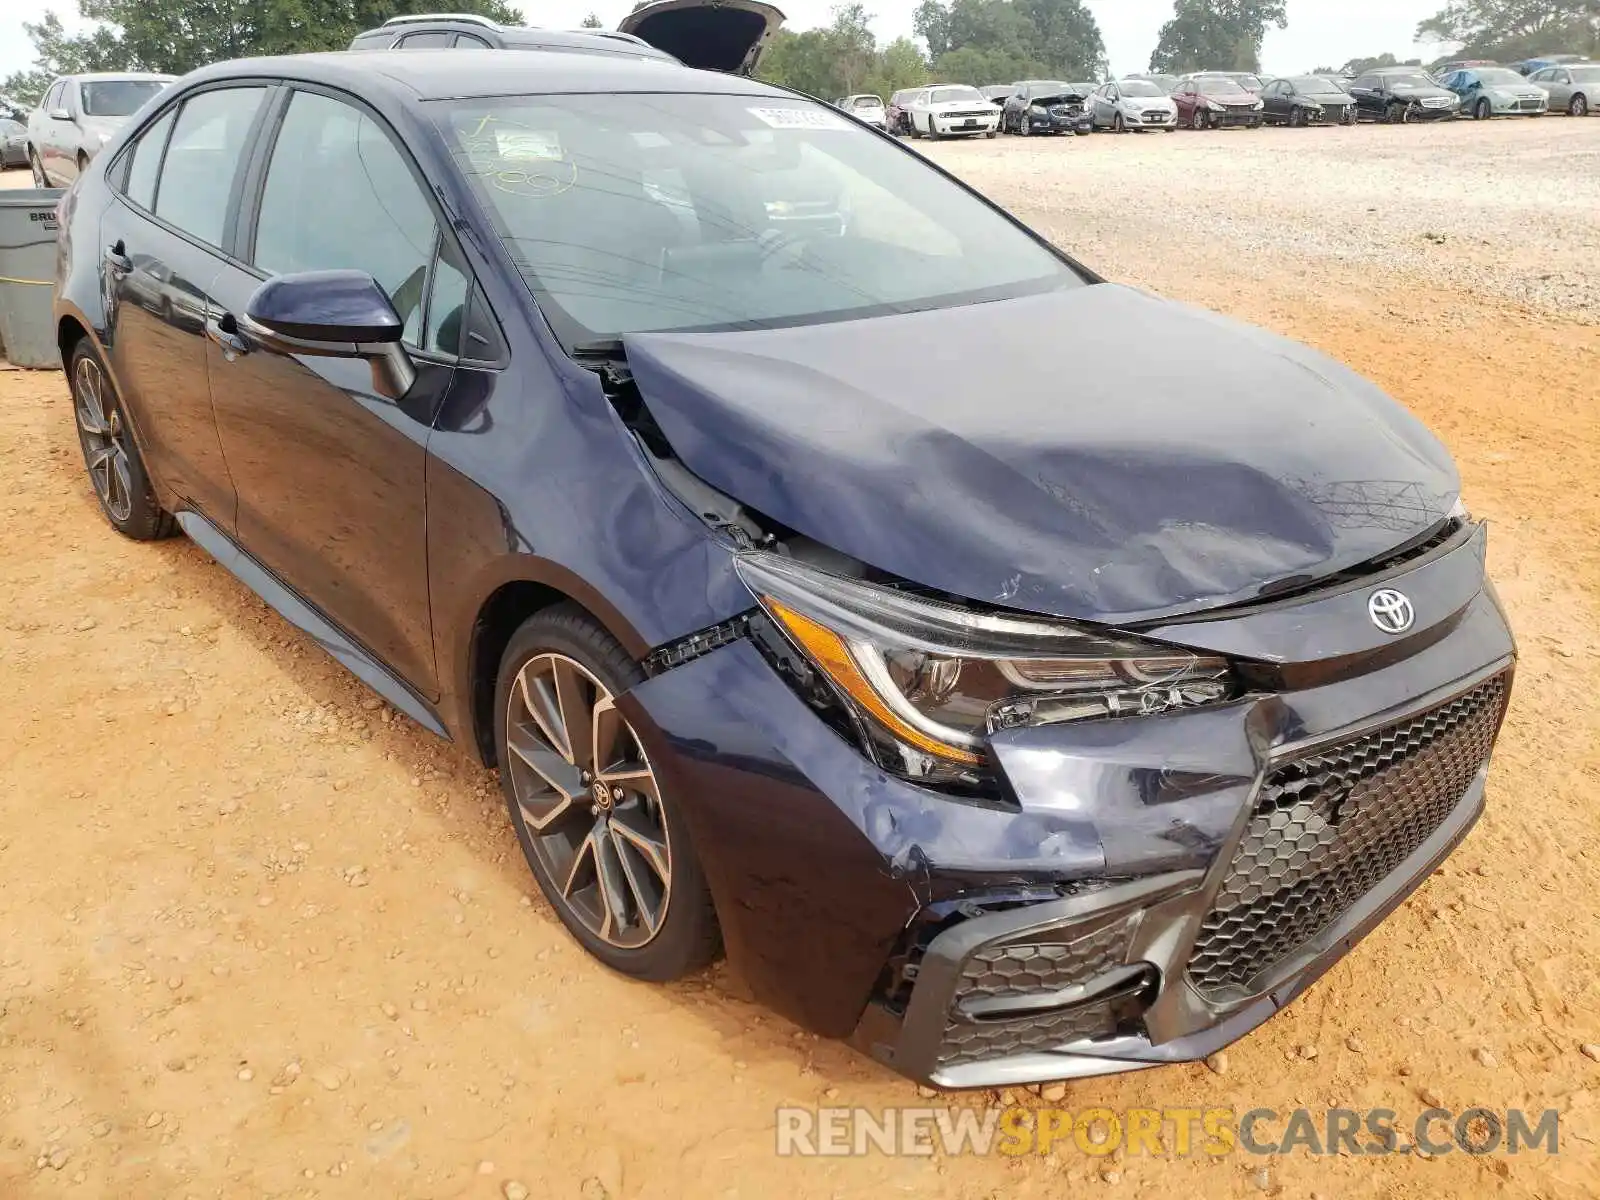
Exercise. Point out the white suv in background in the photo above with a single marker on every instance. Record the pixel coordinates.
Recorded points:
(952, 110)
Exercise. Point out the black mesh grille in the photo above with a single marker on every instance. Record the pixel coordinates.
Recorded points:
(975, 1041)
(1001, 970)
(1331, 826)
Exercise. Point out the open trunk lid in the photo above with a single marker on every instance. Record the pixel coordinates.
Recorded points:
(713, 35)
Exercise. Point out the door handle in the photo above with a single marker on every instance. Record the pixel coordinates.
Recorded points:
(117, 258)
(224, 331)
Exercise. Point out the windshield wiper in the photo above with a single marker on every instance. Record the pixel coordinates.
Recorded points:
(607, 357)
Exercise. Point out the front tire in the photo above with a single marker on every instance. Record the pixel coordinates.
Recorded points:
(1199, 120)
(116, 470)
(1481, 110)
(1578, 106)
(1118, 123)
(607, 845)
(1297, 118)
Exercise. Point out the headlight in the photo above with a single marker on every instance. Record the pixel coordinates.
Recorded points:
(1214, 106)
(934, 680)
(1039, 108)
(1259, 104)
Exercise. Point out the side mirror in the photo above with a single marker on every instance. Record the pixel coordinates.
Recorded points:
(332, 314)
(60, 114)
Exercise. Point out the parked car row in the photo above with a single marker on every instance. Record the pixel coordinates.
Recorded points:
(1240, 99)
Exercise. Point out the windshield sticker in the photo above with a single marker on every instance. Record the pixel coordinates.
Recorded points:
(526, 144)
(799, 118)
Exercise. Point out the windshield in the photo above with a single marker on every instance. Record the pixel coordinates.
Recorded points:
(633, 212)
(1084, 89)
(861, 102)
(1139, 87)
(1219, 85)
(1048, 87)
(117, 97)
(1501, 77)
(1421, 81)
(1312, 84)
(1250, 81)
(954, 95)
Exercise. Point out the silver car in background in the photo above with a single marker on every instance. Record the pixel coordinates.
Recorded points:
(1123, 104)
(78, 115)
(1574, 87)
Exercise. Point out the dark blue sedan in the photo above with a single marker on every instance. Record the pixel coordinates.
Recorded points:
(1019, 674)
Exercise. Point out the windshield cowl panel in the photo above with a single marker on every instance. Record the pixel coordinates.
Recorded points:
(628, 213)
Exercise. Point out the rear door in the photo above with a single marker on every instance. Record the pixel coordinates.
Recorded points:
(331, 474)
(161, 248)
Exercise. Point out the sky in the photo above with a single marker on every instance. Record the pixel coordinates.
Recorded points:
(1320, 32)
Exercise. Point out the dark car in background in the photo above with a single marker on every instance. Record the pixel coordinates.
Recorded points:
(1307, 100)
(13, 143)
(1015, 724)
(1400, 95)
(997, 93)
(1214, 101)
(1046, 106)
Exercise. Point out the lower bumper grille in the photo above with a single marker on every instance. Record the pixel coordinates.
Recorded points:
(1234, 118)
(1002, 972)
(1330, 826)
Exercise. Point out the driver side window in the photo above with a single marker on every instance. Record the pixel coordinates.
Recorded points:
(340, 195)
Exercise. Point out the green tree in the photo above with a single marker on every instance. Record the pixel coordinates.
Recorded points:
(1513, 29)
(1216, 35)
(998, 41)
(592, 21)
(176, 36)
(841, 59)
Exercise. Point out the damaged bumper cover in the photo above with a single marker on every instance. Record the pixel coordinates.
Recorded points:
(1150, 889)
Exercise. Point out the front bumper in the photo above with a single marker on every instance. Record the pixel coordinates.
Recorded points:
(1518, 107)
(1108, 919)
(957, 126)
(1066, 123)
(1237, 118)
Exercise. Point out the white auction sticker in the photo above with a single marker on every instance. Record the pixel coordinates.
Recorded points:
(799, 118)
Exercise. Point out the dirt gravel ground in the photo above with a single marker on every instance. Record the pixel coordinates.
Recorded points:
(259, 937)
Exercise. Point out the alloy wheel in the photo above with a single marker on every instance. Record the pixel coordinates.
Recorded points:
(104, 438)
(589, 799)
(1482, 111)
(1579, 106)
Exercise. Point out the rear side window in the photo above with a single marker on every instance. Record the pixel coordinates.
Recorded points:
(339, 194)
(202, 158)
(465, 41)
(426, 41)
(147, 161)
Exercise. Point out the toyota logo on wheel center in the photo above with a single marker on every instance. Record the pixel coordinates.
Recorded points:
(1391, 611)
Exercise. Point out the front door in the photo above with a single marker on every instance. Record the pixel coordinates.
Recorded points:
(159, 256)
(330, 474)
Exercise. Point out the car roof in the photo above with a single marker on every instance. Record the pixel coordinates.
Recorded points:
(116, 76)
(450, 74)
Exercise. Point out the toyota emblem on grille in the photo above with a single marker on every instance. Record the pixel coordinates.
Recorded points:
(1390, 610)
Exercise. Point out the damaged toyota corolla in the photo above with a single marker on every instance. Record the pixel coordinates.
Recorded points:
(1020, 675)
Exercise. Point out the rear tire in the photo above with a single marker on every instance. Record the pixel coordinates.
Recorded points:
(655, 921)
(116, 470)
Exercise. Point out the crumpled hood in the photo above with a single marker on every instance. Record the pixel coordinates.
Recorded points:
(1097, 453)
